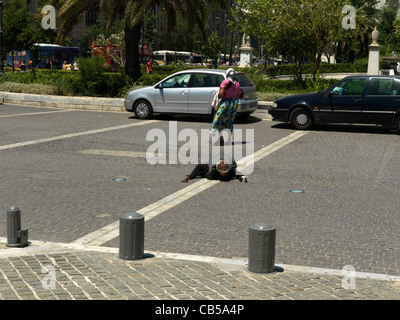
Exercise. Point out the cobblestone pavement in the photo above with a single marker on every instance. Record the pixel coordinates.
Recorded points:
(99, 274)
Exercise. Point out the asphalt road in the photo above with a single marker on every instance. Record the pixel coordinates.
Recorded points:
(59, 167)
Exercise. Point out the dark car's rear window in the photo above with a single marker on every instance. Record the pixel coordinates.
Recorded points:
(243, 80)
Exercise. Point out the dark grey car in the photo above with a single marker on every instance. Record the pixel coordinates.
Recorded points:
(355, 99)
(189, 92)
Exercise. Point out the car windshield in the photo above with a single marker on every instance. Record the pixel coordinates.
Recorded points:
(243, 80)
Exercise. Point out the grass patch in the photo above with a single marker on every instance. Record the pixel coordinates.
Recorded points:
(29, 88)
(271, 96)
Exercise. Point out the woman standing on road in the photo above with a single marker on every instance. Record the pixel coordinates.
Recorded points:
(230, 93)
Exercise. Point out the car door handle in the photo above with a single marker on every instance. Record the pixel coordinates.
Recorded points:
(397, 100)
(356, 100)
(184, 92)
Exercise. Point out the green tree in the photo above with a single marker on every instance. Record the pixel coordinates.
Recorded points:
(21, 29)
(299, 29)
(117, 48)
(354, 44)
(386, 18)
(134, 11)
(213, 48)
(96, 30)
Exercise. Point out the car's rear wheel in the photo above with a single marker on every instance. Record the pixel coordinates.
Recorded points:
(301, 119)
(143, 110)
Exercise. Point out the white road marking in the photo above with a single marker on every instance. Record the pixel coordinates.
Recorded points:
(266, 151)
(116, 153)
(77, 134)
(32, 114)
(111, 231)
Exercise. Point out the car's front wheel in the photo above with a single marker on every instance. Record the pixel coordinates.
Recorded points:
(143, 110)
(301, 119)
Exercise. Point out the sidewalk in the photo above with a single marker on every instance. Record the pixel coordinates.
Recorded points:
(337, 76)
(77, 272)
(63, 102)
(79, 103)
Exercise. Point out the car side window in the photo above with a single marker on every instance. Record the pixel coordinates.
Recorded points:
(350, 87)
(178, 81)
(204, 80)
(381, 87)
(395, 88)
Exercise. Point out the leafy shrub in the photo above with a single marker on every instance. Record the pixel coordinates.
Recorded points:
(90, 79)
(28, 88)
(359, 66)
(26, 77)
(114, 84)
(319, 84)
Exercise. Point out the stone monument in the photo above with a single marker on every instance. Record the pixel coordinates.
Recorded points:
(373, 60)
(246, 52)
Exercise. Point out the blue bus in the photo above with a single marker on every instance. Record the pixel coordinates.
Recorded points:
(56, 53)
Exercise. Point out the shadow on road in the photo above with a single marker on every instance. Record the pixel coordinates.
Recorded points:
(355, 128)
(199, 118)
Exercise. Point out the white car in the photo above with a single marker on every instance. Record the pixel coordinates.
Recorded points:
(189, 92)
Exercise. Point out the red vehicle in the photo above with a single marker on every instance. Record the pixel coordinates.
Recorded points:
(108, 51)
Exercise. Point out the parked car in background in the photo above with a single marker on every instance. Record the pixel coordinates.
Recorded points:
(189, 92)
(355, 99)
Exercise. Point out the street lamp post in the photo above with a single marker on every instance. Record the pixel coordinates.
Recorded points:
(231, 32)
(176, 39)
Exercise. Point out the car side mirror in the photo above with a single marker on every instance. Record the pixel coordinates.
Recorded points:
(159, 86)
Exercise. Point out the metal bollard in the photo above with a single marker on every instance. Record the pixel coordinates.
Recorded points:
(15, 236)
(131, 236)
(262, 239)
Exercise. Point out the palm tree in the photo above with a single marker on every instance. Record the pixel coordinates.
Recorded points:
(355, 44)
(195, 11)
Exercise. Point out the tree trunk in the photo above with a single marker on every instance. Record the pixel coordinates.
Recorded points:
(299, 68)
(132, 66)
(317, 63)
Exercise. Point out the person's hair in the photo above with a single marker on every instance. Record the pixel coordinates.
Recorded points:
(221, 167)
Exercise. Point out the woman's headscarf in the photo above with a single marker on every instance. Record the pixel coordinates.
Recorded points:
(230, 73)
